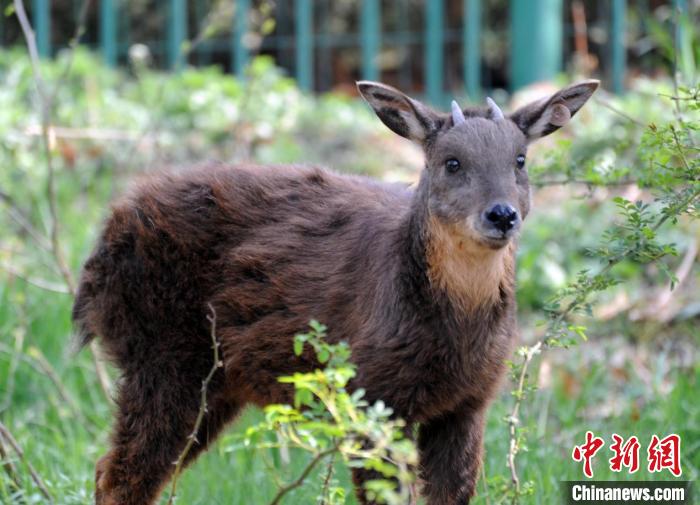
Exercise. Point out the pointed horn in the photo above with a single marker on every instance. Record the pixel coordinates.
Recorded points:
(496, 112)
(457, 114)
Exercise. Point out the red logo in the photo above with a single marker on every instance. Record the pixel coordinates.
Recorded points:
(586, 452)
(662, 453)
(626, 454)
(665, 453)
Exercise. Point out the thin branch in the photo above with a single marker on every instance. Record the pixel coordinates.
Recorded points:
(14, 364)
(539, 183)
(513, 420)
(692, 98)
(192, 438)
(40, 364)
(19, 216)
(619, 112)
(679, 147)
(327, 479)
(72, 45)
(35, 281)
(54, 225)
(45, 120)
(304, 474)
(9, 467)
(90, 133)
(486, 485)
(30, 37)
(101, 371)
(6, 435)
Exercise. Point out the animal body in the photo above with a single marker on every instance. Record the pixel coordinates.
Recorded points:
(419, 282)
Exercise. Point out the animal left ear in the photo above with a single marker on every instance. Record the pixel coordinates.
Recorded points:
(545, 116)
(400, 113)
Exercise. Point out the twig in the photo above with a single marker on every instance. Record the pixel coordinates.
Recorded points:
(51, 373)
(304, 474)
(89, 133)
(101, 371)
(220, 17)
(72, 44)
(31, 43)
(327, 479)
(617, 111)
(41, 365)
(486, 485)
(283, 449)
(14, 363)
(565, 182)
(54, 225)
(658, 307)
(9, 467)
(19, 216)
(6, 435)
(513, 420)
(680, 98)
(192, 438)
(35, 281)
(679, 148)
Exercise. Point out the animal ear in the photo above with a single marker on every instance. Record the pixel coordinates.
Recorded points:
(545, 116)
(403, 115)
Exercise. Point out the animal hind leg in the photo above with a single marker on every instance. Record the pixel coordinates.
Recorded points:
(152, 424)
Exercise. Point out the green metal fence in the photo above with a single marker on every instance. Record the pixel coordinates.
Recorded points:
(450, 34)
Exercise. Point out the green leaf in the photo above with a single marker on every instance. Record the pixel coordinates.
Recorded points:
(298, 347)
(323, 355)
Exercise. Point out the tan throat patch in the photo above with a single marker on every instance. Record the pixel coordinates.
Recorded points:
(471, 274)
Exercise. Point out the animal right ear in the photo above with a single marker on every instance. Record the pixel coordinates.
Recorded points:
(545, 116)
(403, 115)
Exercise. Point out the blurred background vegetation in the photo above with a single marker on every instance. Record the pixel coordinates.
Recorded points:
(147, 95)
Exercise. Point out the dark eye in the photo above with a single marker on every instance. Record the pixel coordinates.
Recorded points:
(520, 160)
(452, 165)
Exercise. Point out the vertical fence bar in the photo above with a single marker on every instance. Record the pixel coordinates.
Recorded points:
(370, 27)
(536, 40)
(177, 31)
(324, 40)
(405, 73)
(471, 48)
(684, 59)
(42, 26)
(239, 54)
(108, 32)
(681, 8)
(434, 59)
(304, 38)
(617, 42)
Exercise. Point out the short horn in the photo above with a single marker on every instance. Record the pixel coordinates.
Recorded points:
(457, 114)
(496, 112)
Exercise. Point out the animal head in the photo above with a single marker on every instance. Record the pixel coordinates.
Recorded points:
(475, 174)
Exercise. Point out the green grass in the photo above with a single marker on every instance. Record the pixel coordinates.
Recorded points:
(630, 379)
(583, 393)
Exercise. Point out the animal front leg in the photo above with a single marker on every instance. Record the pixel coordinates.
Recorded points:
(450, 449)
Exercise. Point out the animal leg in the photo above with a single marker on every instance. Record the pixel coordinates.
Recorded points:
(152, 424)
(450, 450)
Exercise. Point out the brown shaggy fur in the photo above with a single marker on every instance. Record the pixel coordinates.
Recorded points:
(426, 305)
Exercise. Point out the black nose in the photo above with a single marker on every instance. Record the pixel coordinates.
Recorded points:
(502, 216)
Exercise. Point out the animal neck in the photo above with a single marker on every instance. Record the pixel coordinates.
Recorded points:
(470, 275)
(454, 269)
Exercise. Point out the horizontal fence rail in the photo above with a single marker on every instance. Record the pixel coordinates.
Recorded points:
(536, 30)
